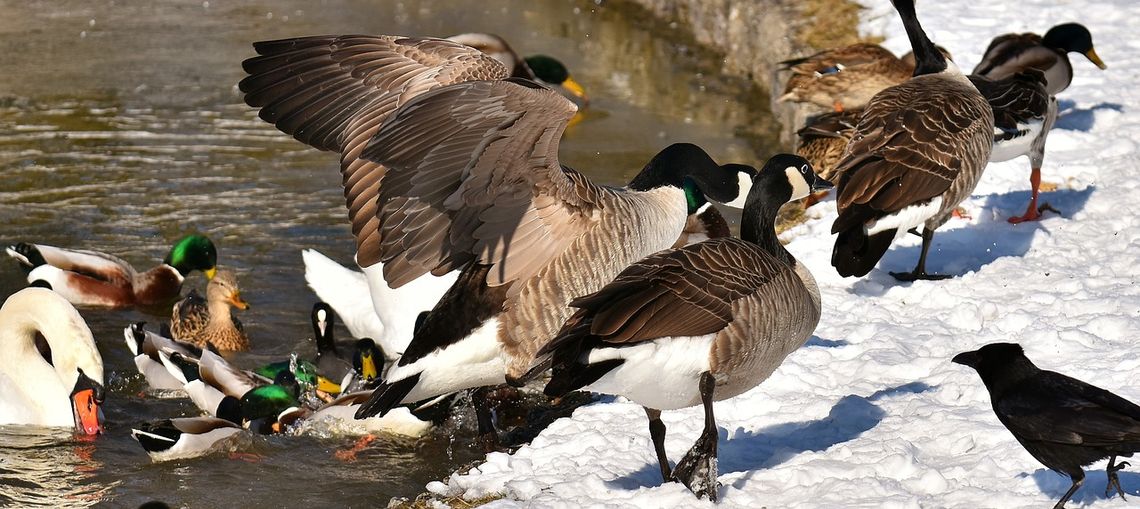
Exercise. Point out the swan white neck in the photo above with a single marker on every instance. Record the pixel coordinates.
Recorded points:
(36, 390)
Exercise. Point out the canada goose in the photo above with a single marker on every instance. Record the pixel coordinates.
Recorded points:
(91, 278)
(1009, 54)
(846, 77)
(333, 93)
(542, 68)
(146, 345)
(1024, 112)
(531, 233)
(49, 366)
(185, 437)
(698, 324)
(919, 149)
(348, 293)
(208, 321)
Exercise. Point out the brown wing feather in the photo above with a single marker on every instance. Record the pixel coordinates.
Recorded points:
(474, 175)
(908, 145)
(333, 92)
(682, 292)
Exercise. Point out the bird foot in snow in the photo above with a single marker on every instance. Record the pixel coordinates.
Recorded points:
(698, 472)
(1114, 480)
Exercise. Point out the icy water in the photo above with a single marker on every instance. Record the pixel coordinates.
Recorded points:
(121, 129)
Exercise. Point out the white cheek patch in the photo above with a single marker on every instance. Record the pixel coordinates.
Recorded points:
(800, 187)
(743, 185)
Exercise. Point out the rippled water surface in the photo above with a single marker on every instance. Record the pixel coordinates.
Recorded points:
(121, 129)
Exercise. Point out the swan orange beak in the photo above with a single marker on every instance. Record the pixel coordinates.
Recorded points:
(86, 400)
(1091, 54)
(237, 301)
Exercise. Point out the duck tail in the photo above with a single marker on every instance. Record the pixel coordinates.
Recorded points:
(27, 255)
(855, 253)
(387, 396)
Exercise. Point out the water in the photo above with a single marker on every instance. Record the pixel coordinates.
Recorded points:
(121, 129)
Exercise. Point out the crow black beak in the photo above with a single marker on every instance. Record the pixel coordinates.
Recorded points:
(966, 359)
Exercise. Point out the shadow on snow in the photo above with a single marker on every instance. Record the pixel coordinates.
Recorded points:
(757, 450)
(1054, 485)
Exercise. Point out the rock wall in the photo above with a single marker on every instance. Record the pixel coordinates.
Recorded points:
(753, 36)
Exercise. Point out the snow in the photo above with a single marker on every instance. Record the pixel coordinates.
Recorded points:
(871, 412)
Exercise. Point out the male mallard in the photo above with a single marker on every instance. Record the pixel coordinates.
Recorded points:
(1009, 54)
(91, 278)
(1024, 112)
(208, 321)
(541, 68)
(146, 347)
(185, 437)
(918, 150)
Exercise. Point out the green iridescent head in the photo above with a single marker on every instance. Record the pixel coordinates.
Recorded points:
(547, 69)
(193, 252)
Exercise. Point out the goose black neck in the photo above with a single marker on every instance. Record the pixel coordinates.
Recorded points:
(769, 192)
(670, 167)
(928, 60)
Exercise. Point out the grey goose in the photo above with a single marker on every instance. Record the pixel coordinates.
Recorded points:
(1009, 54)
(919, 149)
(698, 324)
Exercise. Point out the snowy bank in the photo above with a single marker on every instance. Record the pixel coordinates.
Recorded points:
(871, 412)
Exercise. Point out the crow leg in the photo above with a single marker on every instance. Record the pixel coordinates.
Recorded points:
(1078, 479)
(697, 470)
(1113, 479)
(657, 433)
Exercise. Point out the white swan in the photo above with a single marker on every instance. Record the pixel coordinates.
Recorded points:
(366, 304)
(65, 392)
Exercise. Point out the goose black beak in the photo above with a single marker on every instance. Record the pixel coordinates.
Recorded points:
(821, 185)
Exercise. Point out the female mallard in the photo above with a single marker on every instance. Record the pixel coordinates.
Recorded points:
(698, 324)
(919, 149)
(1009, 54)
(50, 370)
(208, 321)
(823, 140)
(846, 77)
(91, 278)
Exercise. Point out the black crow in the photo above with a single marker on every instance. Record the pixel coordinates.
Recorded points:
(1063, 422)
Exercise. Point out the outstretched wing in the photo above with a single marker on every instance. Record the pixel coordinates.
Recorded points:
(333, 92)
(474, 175)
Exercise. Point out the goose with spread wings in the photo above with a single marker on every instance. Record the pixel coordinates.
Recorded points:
(919, 149)
(474, 183)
